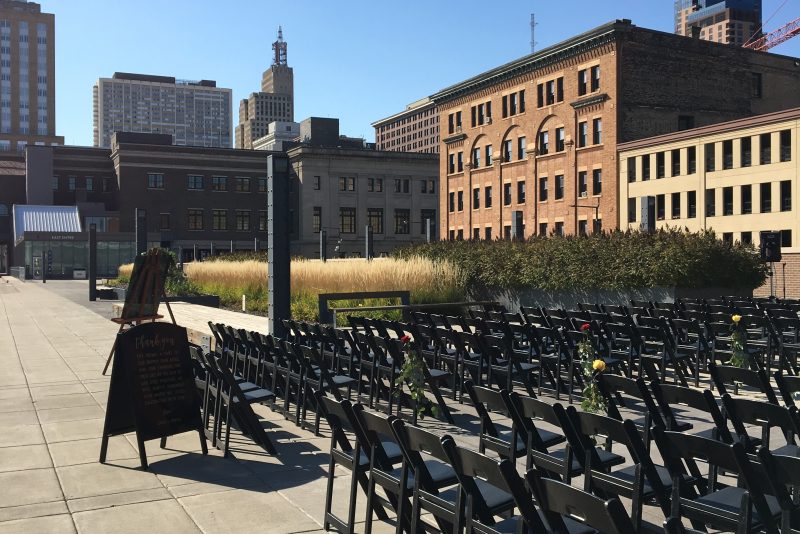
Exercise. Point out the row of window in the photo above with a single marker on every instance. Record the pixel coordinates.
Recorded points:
(195, 220)
(710, 157)
(88, 183)
(402, 220)
(195, 182)
(765, 204)
(544, 229)
(375, 185)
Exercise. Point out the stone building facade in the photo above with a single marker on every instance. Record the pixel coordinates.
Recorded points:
(529, 148)
(415, 129)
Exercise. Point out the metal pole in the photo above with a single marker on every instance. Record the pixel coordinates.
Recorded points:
(231, 246)
(92, 262)
(278, 258)
(323, 245)
(141, 231)
(212, 248)
(44, 267)
(784, 280)
(194, 252)
(369, 253)
(255, 244)
(428, 230)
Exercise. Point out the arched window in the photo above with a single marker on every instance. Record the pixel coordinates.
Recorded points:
(3, 210)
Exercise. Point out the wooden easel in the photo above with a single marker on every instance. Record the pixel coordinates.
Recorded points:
(150, 278)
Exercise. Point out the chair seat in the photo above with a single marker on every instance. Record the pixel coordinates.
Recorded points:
(441, 474)
(730, 500)
(512, 524)
(550, 438)
(393, 451)
(628, 474)
(787, 450)
(505, 435)
(438, 374)
(258, 395)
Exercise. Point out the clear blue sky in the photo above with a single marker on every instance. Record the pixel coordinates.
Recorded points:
(359, 61)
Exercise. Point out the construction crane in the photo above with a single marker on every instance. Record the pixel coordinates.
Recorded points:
(774, 38)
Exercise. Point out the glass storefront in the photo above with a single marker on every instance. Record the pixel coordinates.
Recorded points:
(62, 257)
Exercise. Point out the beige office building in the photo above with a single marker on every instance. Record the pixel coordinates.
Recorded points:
(738, 178)
(27, 76)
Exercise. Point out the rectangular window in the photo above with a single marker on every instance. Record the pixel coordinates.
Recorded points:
(727, 201)
(560, 89)
(219, 219)
(660, 208)
(451, 123)
(318, 183)
(550, 92)
(461, 201)
(89, 183)
(786, 145)
(154, 181)
(488, 153)
(660, 171)
(631, 170)
(711, 203)
(55, 183)
(424, 186)
(691, 204)
(476, 158)
(504, 107)
(582, 185)
(597, 181)
(487, 233)
(727, 154)
(710, 157)
(747, 199)
(163, 221)
(766, 197)
(631, 210)
(691, 160)
(597, 131)
(452, 202)
(507, 154)
(316, 220)
(451, 163)
(507, 231)
(559, 186)
(521, 148)
(583, 227)
(645, 167)
(756, 90)
(194, 182)
(194, 219)
(262, 185)
(746, 152)
(583, 134)
(727, 237)
(521, 192)
(347, 220)
(375, 219)
(559, 228)
(786, 238)
(766, 149)
(786, 195)
(347, 183)
(582, 82)
(595, 78)
(242, 184)
(379, 185)
(676, 205)
(72, 182)
(460, 160)
(243, 220)
(512, 103)
(542, 228)
(560, 139)
(219, 183)
(424, 216)
(543, 188)
(263, 224)
(476, 198)
(506, 194)
(544, 143)
(540, 95)
(522, 101)
(746, 238)
(476, 233)
(487, 196)
(402, 219)
(676, 162)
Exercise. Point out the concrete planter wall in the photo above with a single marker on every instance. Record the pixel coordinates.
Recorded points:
(568, 299)
(118, 293)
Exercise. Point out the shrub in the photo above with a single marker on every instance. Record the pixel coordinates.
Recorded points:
(613, 260)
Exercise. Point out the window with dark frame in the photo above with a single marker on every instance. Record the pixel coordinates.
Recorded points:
(597, 131)
(631, 170)
(632, 210)
(508, 155)
(711, 203)
(645, 167)
(452, 202)
(560, 139)
(786, 195)
(691, 204)
(660, 166)
(544, 143)
(262, 185)
(72, 183)
(154, 181)
(786, 145)
(487, 196)
(745, 151)
(506, 194)
(194, 182)
(676, 205)
(595, 72)
(89, 183)
(582, 184)
(660, 208)
(219, 219)
(597, 181)
(425, 215)
(765, 194)
(461, 201)
(727, 201)
(559, 193)
(375, 219)
(263, 221)
(402, 220)
(521, 192)
(786, 238)
(727, 154)
(765, 152)
(747, 199)
(543, 229)
(194, 219)
(582, 82)
(583, 227)
(710, 157)
(487, 233)
(243, 220)
(316, 219)
(583, 134)
(520, 147)
(691, 160)
(242, 184)
(476, 198)
(55, 183)
(219, 183)
(488, 153)
(347, 220)
(542, 188)
(746, 238)
(675, 160)
(318, 182)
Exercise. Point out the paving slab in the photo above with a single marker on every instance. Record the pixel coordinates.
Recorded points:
(31, 486)
(85, 451)
(154, 516)
(53, 524)
(24, 457)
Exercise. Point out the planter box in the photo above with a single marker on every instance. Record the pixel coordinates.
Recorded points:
(568, 299)
(202, 300)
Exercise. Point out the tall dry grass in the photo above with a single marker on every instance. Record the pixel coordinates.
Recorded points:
(428, 281)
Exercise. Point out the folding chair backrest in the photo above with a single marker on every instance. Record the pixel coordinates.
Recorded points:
(668, 395)
(558, 500)
(743, 412)
(377, 429)
(788, 386)
(611, 385)
(340, 417)
(727, 374)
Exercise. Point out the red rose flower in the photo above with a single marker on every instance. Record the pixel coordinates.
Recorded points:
(406, 338)
(584, 327)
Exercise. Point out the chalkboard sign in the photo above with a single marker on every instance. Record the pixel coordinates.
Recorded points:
(146, 285)
(152, 390)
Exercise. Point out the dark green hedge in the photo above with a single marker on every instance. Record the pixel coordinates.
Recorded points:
(614, 260)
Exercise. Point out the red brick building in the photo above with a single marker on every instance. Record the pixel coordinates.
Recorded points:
(535, 141)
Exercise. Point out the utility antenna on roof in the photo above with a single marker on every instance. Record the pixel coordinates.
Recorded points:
(279, 47)
(533, 32)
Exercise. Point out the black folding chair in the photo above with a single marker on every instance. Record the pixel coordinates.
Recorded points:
(504, 441)
(743, 412)
(723, 375)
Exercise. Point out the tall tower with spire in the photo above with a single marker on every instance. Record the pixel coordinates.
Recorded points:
(275, 101)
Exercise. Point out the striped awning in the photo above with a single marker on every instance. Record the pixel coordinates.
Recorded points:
(29, 218)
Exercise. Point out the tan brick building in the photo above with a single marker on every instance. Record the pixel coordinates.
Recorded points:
(738, 178)
(538, 136)
(724, 21)
(415, 129)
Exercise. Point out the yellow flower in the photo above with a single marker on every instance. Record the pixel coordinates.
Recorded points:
(599, 365)
(736, 318)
